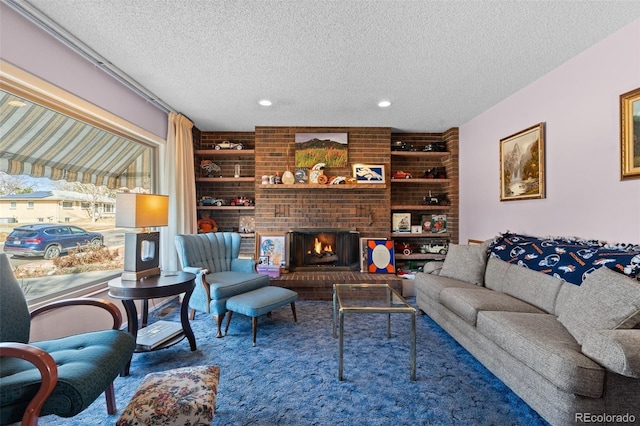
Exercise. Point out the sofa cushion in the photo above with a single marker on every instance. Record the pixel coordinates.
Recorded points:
(534, 287)
(465, 263)
(617, 350)
(227, 284)
(432, 285)
(495, 273)
(544, 345)
(606, 300)
(467, 302)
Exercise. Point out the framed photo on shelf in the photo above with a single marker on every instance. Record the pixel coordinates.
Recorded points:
(364, 256)
(401, 222)
(522, 166)
(381, 257)
(271, 247)
(425, 222)
(438, 223)
(369, 173)
(630, 134)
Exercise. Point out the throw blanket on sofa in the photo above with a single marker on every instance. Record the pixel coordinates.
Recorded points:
(569, 259)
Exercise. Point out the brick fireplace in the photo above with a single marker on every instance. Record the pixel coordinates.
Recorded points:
(322, 250)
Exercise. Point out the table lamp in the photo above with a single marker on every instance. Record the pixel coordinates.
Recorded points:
(141, 249)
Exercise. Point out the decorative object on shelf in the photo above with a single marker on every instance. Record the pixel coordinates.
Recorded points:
(236, 171)
(287, 176)
(436, 247)
(401, 146)
(401, 222)
(302, 175)
(401, 175)
(435, 173)
(630, 134)
(337, 180)
(329, 148)
(435, 147)
(438, 223)
(210, 167)
(271, 246)
(141, 249)
(247, 225)
(381, 257)
(241, 201)
(322, 179)
(210, 201)
(416, 229)
(435, 200)
(522, 165)
(366, 173)
(229, 145)
(206, 223)
(265, 179)
(426, 223)
(402, 247)
(278, 179)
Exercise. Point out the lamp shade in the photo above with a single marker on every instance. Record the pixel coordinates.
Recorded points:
(135, 210)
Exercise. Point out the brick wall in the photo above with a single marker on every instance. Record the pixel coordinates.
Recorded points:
(279, 209)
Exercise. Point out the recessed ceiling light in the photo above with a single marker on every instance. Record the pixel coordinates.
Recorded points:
(265, 102)
(384, 104)
(16, 103)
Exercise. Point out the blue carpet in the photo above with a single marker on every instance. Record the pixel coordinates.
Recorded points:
(290, 378)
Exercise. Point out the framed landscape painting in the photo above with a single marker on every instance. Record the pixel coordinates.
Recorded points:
(522, 165)
(330, 149)
(630, 134)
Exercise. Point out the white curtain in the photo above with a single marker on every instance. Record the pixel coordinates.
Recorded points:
(177, 180)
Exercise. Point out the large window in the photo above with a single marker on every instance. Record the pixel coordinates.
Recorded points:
(57, 169)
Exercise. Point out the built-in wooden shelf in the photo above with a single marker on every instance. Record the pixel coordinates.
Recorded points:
(325, 186)
(226, 207)
(431, 154)
(419, 256)
(422, 235)
(225, 152)
(418, 207)
(226, 179)
(420, 180)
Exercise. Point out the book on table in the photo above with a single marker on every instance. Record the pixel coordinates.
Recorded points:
(157, 333)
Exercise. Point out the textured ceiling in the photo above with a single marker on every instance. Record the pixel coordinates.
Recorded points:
(328, 63)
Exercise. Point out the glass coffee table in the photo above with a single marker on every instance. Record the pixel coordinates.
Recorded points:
(367, 299)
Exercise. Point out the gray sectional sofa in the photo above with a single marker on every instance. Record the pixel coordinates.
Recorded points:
(572, 352)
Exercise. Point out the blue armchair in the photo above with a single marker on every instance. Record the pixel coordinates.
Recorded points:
(60, 376)
(213, 257)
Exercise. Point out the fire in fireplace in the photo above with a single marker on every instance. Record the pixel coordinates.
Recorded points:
(323, 249)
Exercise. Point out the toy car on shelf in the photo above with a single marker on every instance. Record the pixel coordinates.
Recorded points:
(436, 200)
(242, 201)
(229, 145)
(403, 248)
(401, 146)
(437, 247)
(435, 173)
(435, 147)
(401, 175)
(210, 201)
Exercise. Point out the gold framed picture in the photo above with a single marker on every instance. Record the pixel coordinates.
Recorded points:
(522, 165)
(630, 134)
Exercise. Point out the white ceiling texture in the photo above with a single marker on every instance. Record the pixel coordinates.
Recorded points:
(329, 63)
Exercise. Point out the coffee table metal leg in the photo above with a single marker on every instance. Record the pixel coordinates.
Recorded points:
(413, 346)
(341, 346)
(335, 312)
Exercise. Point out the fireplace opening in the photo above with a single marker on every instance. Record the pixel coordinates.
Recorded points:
(323, 249)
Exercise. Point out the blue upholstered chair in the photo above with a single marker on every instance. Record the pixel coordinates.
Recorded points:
(60, 376)
(221, 274)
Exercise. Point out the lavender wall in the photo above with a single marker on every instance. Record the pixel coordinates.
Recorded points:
(26, 46)
(579, 102)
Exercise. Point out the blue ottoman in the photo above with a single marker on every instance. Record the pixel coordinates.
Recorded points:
(259, 302)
